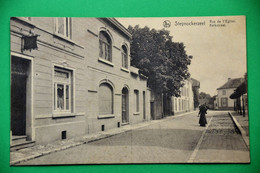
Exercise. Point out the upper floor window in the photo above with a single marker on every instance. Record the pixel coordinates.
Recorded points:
(124, 57)
(224, 92)
(62, 90)
(27, 18)
(183, 91)
(63, 26)
(175, 103)
(105, 46)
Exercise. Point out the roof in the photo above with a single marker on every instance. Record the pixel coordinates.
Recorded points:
(195, 83)
(232, 83)
(119, 26)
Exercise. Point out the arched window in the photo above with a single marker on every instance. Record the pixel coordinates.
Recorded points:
(105, 46)
(124, 57)
(105, 96)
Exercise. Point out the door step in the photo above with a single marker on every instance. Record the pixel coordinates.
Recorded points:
(18, 139)
(19, 142)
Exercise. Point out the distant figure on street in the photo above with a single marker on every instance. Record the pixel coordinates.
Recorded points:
(202, 113)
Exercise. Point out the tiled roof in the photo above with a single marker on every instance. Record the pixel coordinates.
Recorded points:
(232, 83)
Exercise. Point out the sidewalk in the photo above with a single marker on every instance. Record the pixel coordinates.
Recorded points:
(40, 150)
(242, 124)
(243, 121)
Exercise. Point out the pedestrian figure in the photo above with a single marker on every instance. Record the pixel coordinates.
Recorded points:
(202, 114)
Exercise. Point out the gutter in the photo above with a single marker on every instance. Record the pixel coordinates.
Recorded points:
(242, 131)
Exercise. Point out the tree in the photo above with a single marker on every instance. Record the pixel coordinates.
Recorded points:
(206, 98)
(195, 91)
(163, 61)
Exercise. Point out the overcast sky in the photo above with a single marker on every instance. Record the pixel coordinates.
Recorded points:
(219, 51)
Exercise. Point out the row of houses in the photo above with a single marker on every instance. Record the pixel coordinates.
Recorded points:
(72, 76)
(184, 103)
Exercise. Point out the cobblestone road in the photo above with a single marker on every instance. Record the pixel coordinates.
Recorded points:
(177, 140)
(222, 142)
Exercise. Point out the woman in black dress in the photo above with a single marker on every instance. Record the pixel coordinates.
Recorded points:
(202, 114)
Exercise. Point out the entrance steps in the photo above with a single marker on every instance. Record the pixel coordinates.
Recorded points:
(20, 142)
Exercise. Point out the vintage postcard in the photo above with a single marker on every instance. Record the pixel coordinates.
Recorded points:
(128, 90)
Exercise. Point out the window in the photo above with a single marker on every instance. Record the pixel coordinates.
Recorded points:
(179, 104)
(224, 102)
(105, 47)
(224, 92)
(136, 93)
(62, 90)
(105, 97)
(124, 57)
(175, 103)
(63, 26)
(27, 18)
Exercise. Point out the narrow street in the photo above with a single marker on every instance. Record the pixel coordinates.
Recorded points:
(176, 140)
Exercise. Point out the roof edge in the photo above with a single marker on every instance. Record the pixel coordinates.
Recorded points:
(119, 26)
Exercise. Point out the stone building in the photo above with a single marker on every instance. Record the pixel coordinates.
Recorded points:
(223, 100)
(195, 90)
(72, 76)
(184, 103)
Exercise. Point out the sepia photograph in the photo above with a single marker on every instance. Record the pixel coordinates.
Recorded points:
(128, 90)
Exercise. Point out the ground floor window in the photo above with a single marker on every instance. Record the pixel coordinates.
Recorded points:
(62, 90)
(136, 93)
(224, 102)
(105, 99)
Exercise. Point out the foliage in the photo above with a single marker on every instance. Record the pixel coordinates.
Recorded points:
(240, 90)
(163, 61)
(195, 91)
(206, 98)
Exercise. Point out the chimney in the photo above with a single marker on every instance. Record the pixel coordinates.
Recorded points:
(229, 79)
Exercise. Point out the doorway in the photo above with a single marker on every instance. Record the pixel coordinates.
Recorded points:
(125, 105)
(152, 110)
(144, 106)
(20, 95)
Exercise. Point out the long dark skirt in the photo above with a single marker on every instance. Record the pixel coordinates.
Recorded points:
(203, 120)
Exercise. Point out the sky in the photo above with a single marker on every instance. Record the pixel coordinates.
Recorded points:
(217, 44)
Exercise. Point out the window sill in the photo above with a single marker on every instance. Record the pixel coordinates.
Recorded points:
(125, 69)
(127, 123)
(105, 62)
(66, 39)
(136, 113)
(63, 114)
(106, 116)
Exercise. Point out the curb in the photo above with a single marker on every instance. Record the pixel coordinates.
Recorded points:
(242, 131)
(101, 135)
